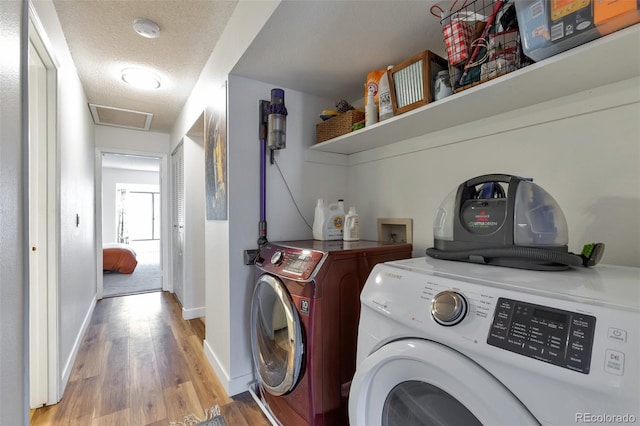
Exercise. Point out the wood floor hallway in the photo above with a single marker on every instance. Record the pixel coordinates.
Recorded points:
(140, 363)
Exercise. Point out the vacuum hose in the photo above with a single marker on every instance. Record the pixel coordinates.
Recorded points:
(519, 257)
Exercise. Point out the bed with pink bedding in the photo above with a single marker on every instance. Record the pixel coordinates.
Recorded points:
(119, 257)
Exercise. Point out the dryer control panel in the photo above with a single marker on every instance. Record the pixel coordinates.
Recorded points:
(551, 335)
(289, 262)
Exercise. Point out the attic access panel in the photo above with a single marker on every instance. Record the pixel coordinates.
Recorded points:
(118, 117)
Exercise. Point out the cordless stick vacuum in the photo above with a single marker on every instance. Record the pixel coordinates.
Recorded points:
(263, 131)
(272, 122)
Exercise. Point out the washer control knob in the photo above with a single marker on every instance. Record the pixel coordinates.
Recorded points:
(448, 308)
(277, 258)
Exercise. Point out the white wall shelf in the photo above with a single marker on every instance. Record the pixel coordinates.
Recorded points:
(607, 60)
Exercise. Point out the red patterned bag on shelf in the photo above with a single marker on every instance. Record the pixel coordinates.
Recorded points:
(457, 38)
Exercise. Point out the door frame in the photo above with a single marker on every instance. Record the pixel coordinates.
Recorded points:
(165, 243)
(44, 317)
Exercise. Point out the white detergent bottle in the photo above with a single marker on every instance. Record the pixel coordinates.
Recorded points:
(320, 219)
(351, 225)
(334, 225)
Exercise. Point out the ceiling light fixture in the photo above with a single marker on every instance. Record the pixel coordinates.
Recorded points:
(146, 28)
(140, 78)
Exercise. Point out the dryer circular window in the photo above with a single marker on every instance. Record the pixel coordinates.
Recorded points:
(276, 336)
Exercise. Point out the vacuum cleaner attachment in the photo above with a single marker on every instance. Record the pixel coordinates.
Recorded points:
(506, 220)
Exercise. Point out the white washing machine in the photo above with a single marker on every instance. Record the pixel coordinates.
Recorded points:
(450, 343)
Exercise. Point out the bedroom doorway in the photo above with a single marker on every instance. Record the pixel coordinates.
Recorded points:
(131, 224)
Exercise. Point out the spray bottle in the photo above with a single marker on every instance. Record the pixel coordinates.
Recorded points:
(385, 107)
(370, 110)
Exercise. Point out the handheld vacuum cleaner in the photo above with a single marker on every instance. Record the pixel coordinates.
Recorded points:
(506, 220)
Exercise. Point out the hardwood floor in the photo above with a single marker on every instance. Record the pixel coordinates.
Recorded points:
(140, 363)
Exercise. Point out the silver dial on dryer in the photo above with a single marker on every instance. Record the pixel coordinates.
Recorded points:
(277, 257)
(448, 307)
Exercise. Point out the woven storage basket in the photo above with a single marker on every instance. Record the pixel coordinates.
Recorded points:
(338, 125)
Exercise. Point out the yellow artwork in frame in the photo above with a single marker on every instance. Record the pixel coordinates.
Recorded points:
(216, 157)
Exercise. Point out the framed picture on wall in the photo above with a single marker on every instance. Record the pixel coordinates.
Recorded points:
(216, 156)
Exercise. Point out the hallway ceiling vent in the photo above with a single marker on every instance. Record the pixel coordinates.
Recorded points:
(118, 117)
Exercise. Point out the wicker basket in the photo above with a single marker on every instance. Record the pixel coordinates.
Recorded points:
(338, 125)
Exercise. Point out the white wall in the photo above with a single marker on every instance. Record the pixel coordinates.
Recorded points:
(117, 139)
(77, 241)
(582, 149)
(110, 178)
(248, 18)
(307, 181)
(588, 160)
(245, 23)
(193, 305)
(77, 276)
(14, 389)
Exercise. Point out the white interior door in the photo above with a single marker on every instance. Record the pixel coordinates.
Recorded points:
(177, 161)
(43, 205)
(37, 228)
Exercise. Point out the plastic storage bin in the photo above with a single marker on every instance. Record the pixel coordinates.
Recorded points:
(548, 27)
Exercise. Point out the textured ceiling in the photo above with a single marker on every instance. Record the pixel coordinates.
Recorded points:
(102, 42)
(321, 47)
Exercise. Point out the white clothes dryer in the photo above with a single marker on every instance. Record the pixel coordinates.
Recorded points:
(451, 343)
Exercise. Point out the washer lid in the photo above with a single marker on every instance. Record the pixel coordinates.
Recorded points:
(422, 382)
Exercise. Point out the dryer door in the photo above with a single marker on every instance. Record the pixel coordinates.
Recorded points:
(418, 382)
(276, 336)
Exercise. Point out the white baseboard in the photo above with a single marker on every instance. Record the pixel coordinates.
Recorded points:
(66, 372)
(189, 314)
(233, 386)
